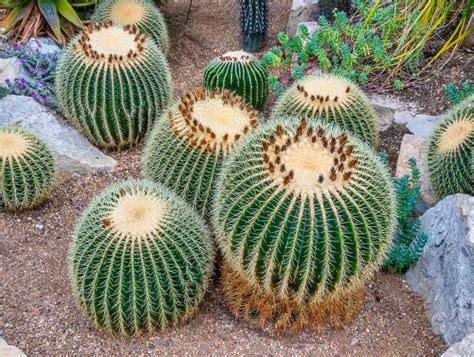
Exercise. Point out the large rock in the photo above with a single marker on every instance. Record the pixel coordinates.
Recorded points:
(73, 151)
(10, 68)
(302, 11)
(444, 274)
(43, 44)
(419, 124)
(7, 350)
(465, 348)
(414, 146)
(386, 107)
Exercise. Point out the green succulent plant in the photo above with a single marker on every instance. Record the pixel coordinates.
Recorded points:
(331, 99)
(304, 213)
(241, 72)
(27, 169)
(112, 82)
(451, 152)
(143, 14)
(186, 148)
(140, 259)
(254, 23)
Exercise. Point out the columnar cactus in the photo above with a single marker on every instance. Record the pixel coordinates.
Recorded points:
(303, 214)
(143, 14)
(140, 259)
(112, 83)
(253, 21)
(186, 148)
(27, 169)
(451, 152)
(331, 99)
(241, 72)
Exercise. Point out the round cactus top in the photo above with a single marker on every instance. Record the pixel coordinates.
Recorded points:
(136, 215)
(237, 56)
(13, 144)
(112, 44)
(127, 12)
(309, 160)
(455, 134)
(213, 120)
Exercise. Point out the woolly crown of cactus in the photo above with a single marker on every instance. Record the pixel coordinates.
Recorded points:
(143, 14)
(140, 259)
(451, 152)
(333, 100)
(303, 213)
(28, 169)
(186, 148)
(241, 72)
(112, 82)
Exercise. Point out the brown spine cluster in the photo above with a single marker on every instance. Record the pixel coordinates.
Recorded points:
(205, 137)
(319, 98)
(84, 43)
(279, 142)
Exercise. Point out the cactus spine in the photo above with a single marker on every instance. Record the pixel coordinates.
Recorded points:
(186, 148)
(253, 21)
(331, 99)
(28, 169)
(241, 72)
(140, 259)
(304, 213)
(112, 83)
(143, 14)
(451, 152)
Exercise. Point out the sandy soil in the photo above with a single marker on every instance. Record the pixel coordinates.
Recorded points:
(38, 313)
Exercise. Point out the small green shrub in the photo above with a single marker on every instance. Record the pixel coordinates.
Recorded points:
(457, 93)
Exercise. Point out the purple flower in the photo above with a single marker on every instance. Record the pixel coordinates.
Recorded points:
(45, 100)
(34, 96)
(22, 80)
(21, 60)
(7, 81)
(45, 56)
(17, 47)
(42, 70)
(54, 57)
(31, 69)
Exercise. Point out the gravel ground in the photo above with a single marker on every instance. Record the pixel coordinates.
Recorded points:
(39, 315)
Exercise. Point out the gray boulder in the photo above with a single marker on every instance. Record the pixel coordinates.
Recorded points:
(301, 11)
(43, 44)
(444, 274)
(465, 348)
(9, 69)
(7, 350)
(73, 151)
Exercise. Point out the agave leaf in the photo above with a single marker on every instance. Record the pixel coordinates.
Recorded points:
(67, 11)
(82, 3)
(15, 15)
(9, 4)
(50, 13)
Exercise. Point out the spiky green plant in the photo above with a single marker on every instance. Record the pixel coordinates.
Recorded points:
(253, 22)
(27, 169)
(304, 213)
(241, 72)
(331, 99)
(140, 259)
(451, 152)
(143, 14)
(112, 82)
(186, 148)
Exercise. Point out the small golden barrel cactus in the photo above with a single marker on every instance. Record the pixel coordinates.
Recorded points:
(143, 14)
(334, 100)
(186, 148)
(141, 258)
(27, 169)
(451, 152)
(113, 82)
(304, 213)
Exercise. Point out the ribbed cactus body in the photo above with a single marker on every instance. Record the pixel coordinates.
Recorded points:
(112, 83)
(27, 169)
(334, 100)
(253, 21)
(304, 213)
(240, 72)
(451, 152)
(140, 259)
(143, 14)
(186, 148)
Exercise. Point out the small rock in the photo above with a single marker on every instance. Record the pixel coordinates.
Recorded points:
(444, 274)
(43, 44)
(74, 152)
(10, 68)
(386, 107)
(301, 11)
(7, 350)
(465, 348)
(413, 146)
